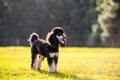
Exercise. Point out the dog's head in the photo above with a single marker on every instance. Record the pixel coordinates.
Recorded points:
(60, 35)
(56, 36)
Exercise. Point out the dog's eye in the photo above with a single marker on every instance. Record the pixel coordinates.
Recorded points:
(59, 34)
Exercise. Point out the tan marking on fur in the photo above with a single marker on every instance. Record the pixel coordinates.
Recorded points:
(54, 54)
(40, 60)
(37, 62)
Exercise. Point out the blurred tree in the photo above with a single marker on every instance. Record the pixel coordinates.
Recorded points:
(109, 20)
(80, 15)
(4, 10)
(95, 38)
(27, 16)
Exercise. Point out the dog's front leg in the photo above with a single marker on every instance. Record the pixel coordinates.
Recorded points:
(52, 64)
(56, 62)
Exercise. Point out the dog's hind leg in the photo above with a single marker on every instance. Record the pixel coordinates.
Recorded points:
(33, 56)
(32, 60)
(36, 62)
(40, 60)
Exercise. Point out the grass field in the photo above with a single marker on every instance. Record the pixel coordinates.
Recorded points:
(74, 64)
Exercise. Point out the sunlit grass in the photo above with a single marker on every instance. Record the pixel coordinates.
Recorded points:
(74, 64)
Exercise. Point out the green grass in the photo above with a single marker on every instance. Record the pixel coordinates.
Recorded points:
(74, 64)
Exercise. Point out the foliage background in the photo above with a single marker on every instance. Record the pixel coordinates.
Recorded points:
(86, 22)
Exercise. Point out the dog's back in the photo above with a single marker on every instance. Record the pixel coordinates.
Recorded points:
(41, 46)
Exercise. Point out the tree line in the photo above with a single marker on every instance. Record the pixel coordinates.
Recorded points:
(85, 21)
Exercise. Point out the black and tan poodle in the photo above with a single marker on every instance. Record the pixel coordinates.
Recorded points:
(47, 48)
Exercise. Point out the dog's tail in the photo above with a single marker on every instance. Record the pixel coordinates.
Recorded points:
(33, 37)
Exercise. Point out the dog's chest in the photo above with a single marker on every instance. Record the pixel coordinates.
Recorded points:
(54, 54)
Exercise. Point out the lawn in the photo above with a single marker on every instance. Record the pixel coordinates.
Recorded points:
(74, 64)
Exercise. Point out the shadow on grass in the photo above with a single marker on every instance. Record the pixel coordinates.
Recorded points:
(62, 75)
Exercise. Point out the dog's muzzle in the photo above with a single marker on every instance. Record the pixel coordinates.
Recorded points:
(61, 39)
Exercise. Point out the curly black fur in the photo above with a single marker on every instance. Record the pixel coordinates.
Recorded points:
(47, 48)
